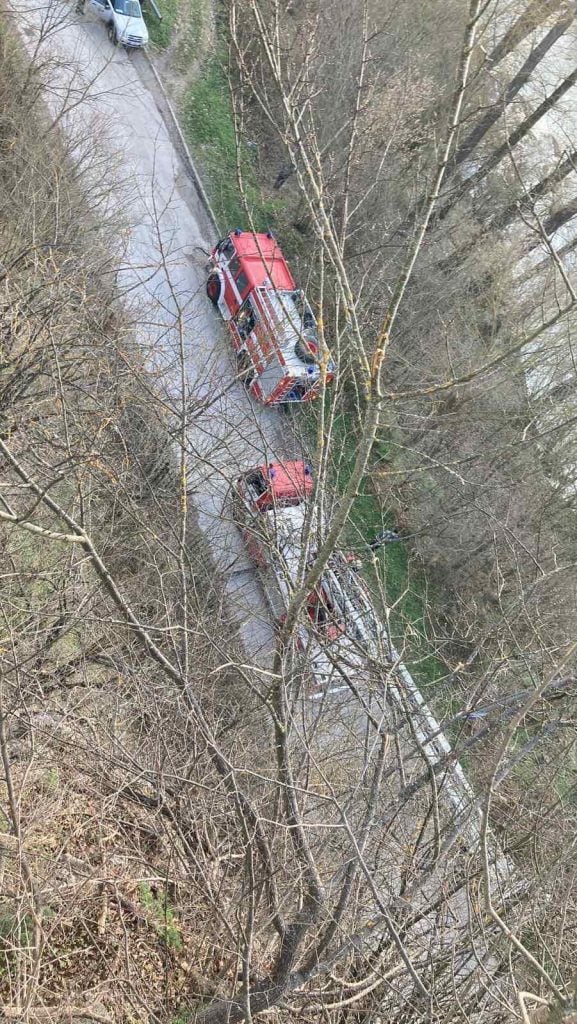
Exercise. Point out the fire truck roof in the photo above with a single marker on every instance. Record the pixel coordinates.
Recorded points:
(288, 479)
(262, 260)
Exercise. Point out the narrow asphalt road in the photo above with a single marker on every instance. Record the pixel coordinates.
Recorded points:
(104, 99)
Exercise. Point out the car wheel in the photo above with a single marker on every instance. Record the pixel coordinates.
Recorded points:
(213, 288)
(112, 35)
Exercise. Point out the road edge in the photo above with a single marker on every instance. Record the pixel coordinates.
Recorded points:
(202, 194)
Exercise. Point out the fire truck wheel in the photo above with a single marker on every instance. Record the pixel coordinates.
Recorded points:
(304, 352)
(213, 289)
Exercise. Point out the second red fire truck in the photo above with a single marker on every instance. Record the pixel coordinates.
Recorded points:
(273, 329)
(341, 629)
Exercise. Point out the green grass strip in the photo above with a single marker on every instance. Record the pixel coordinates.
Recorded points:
(209, 127)
(160, 32)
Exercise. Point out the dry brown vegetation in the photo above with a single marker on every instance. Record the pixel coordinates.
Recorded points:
(98, 903)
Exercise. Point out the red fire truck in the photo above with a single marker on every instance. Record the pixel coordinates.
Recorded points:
(340, 630)
(273, 329)
(340, 626)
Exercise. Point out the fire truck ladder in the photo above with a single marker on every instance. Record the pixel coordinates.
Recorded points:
(405, 694)
(373, 639)
(357, 609)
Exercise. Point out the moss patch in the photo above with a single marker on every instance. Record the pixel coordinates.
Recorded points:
(161, 915)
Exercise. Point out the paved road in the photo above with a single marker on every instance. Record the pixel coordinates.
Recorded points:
(102, 94)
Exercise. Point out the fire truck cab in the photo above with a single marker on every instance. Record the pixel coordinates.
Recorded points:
(273, 329)
(269, 509)
(270, 506)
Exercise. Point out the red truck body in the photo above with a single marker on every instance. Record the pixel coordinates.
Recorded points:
(273, 329)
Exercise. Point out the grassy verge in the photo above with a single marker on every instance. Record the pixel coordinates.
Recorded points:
(181, 24)
(161, 32)
(209, 126)
(207, 117)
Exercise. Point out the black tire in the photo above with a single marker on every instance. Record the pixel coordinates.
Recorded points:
(213, 288)
(112, 35)
(304, 353)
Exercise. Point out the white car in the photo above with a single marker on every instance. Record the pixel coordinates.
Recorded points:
(125, 22)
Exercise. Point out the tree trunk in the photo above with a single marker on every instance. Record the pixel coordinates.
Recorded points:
(561, 217)
(514, 87)
(502, 220)
(513, 139)
(534, 192)
(561, 253)
(535, 15)
(553, 223)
